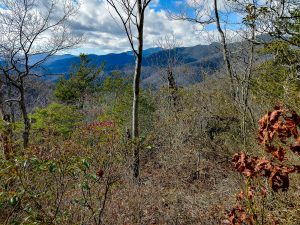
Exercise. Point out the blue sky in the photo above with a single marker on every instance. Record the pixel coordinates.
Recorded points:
(103, 34)
(167, 4)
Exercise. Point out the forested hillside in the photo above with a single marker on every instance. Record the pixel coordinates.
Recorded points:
(197, 59)
(170, 135)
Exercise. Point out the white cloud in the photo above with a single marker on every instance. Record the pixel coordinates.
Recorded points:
(178, 3)
(207, 4)
(155, 3)
(104, 35)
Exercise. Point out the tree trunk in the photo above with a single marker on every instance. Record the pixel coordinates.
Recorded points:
(7, 139)
(172, 87)
(1, 105)
(135, 118)
(26, 121)
(11, 104)
(226, 55)
(136, 93)
(246, 86)
(6, 135)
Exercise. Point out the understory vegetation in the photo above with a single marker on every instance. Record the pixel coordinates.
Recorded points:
(222, 151)
(77, 169)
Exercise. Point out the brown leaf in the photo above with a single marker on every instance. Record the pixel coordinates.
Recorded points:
(295, 149)
(251, 220)
(295, 117)
(275, 116)
(263, 122)
(292, 126)
(261, 164)
(279, 153)
(279, 180)
(250, 195)
(231, 217)
(242, 164)
(296, 146)
(264, 192)
(240, 196)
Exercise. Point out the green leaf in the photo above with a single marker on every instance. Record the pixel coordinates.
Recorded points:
(86, 164)
(52, 168)
(13, 200)
(85, 186)
(94, 177)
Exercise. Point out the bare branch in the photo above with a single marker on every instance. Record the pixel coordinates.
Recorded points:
(29, 28)
(12, 100)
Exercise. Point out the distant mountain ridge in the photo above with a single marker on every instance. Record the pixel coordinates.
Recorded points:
(147, 52)
(206, 57)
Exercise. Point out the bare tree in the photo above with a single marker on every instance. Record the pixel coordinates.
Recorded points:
(240, 79)
(132, 16)
(31, 32)
(249, 10)
(206, 13)
(194, 11)
(226, 54)
(169, 60)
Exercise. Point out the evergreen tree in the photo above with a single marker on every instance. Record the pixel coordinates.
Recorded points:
(278, 79)
(82, 81)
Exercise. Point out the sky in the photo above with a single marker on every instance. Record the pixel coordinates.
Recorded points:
(103, 33)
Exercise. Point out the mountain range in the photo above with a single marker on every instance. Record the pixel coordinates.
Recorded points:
(194, 61)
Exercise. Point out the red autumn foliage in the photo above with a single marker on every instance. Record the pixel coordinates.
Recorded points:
(100, 173)
(103, 124)
(278, 133)
(283, 125)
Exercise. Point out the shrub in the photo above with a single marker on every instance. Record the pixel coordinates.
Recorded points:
(268, 175)
(56, 119)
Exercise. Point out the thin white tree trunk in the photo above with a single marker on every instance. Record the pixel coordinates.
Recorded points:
(136, 95)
